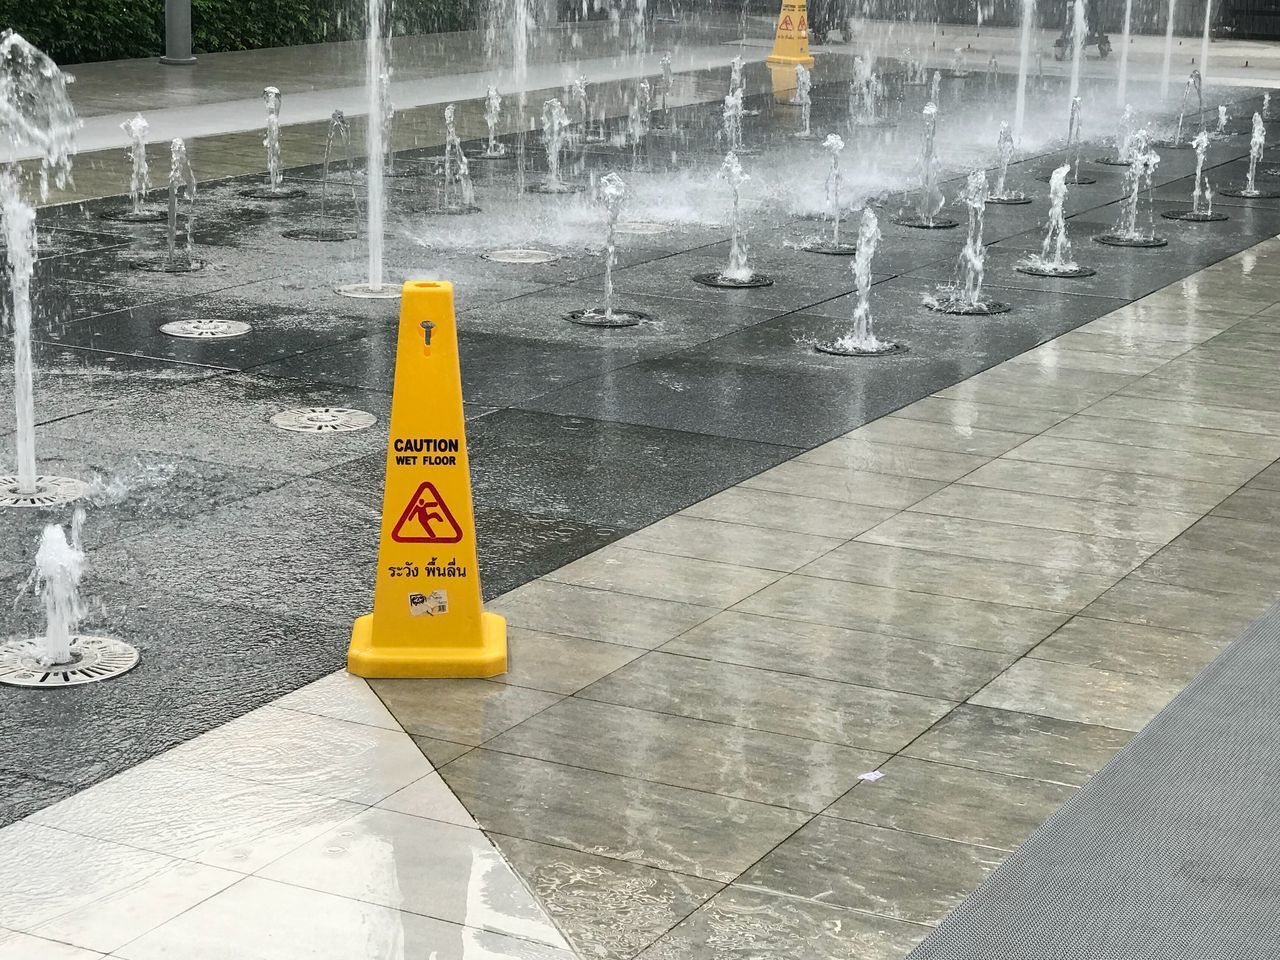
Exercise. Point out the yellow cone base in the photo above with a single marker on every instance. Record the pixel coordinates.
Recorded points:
(777, 60)
(390, 662)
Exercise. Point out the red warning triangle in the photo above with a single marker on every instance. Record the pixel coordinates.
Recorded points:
(426, 519)
(785, 23)
(804, 25)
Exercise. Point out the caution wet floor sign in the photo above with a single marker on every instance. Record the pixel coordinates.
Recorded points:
(427, 619)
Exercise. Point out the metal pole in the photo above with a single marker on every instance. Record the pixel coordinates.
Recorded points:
(177, 33)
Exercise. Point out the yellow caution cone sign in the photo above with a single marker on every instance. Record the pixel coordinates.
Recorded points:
(427, 618)
(791, 39)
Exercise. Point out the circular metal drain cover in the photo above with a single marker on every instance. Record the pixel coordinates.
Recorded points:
(519, 255)
(838, 348)
(205, 329)
(642, 227)
(597, 317)
(92, 659)
(922, 223)
(1190, 216)
(323, 420)
(962, 308)
(321, 235)
(1063, 273)
(831, 249)
(555, 188)
(1119, 240)
(49, 492)
(1246, 195)
(165, 265)
(362, 291)
(729, 283)
(1081, 180)
(278, 193)
(1012, 199)
(130, 216)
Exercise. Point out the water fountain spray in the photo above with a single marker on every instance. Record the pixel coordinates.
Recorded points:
(1124, 133)
(1257, 143)
(862, 341)
(804, 101)
(959, 65)
(1221, 132)
(916, 75)
(1079, 33)
(1204, 38)
(1193, 83)
(139, 177)
(591, 133)
(179, 256)
(555, 126)
(833, 246)
(274, 188)
(935, 87)
(866, 94)
(1054, 258)
(929, 200)
(993, 76)
(1168, 51)
(1005, 148)
(36, 116)
(738, 273)
(1075, 147)
(62, 657)
(458, 195)
(1202, 194)
(964, 295)
(1138, 184)
(732, 118)
(611, 191)
(377, 151)
(1122, 70)
(1266, 106)
(494, 149)
(339, 133)
(1024, 64)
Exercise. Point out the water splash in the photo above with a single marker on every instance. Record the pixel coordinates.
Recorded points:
(974, 255)
(1193, 83)
(555, 124)
(1138, 178)
(1005, 149)
(738, 270)
(668, 80)
(803, 100)
(1055, 257)
(930, 199)
(866, 93)
(611, 190)
(275, 176)
(492, 114)
(60, 566)
(457, 171)
(1124, 135)
(862, 340)
(935, 87)
(1257, 143)
(732, 119)
(181, 180)
(339, 132)
(1266, 106)
(139, 172)
(1220, 132)
(1201, 194)
(36, 114)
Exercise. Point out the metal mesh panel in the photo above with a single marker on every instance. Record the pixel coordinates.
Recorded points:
(1172, 851)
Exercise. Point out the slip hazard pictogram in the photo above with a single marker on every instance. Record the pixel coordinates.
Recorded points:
(786, 23)
(426, 519)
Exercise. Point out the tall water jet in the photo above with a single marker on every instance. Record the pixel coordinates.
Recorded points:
(591, 133)
(1202, 194)
(1168, 51)
(935, 87)
(1266, 106)
(993, 77)
(377, 143)
(1024, 64)
(862, 340)
(339, 133)
(738, 272)
(732, 120)
(1005, 148)
(179, 257)
(963, 296)
(1138, 185)
(1124, 132)
(1122, 70)
(139, 177)
(1257, 143)
(1220, 132)
(1079, 33)
(929, 199)
(36, 116)
(834, 145)
(668, 87)
(959, 64)
(555, 126)
(803, 100)
(1054, 258)
(494, 148)
(1204, 39)
(1193, 83)
(458, 195)
(62, 656)
(1075, 147)
(274, 188)
(611, 191)
(866, 95)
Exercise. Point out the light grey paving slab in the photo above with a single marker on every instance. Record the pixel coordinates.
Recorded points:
(953, 802)
(1200, 391)
(440, 752)
(735, 543)
(460, 711)
(742, 923)
(904, 613)
(834, 653)
(732, 761)
(1219, 616)
(772, 510)
(619, 569)
(971, 578)
(1103, 556)
(843, 485)
(1108, 486)
(559, 664)
(608, 909)
(1186, 369)
(1069, 514)
(685, 831)
(1126, 458)
(1059, 355)
(893, 459)
(1019, 744)
(863, 717)
(889, 872)
(1081, 694)
(972, 415)
(575, 611)
(1129, 648)
(1256, 503)
(899, 429)
(1091, 338)
(1190, 439)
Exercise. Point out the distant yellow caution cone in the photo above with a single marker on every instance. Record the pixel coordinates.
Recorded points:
(427, 618)
(791, 39)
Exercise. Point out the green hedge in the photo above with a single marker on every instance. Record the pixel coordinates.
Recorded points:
(84, 31)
